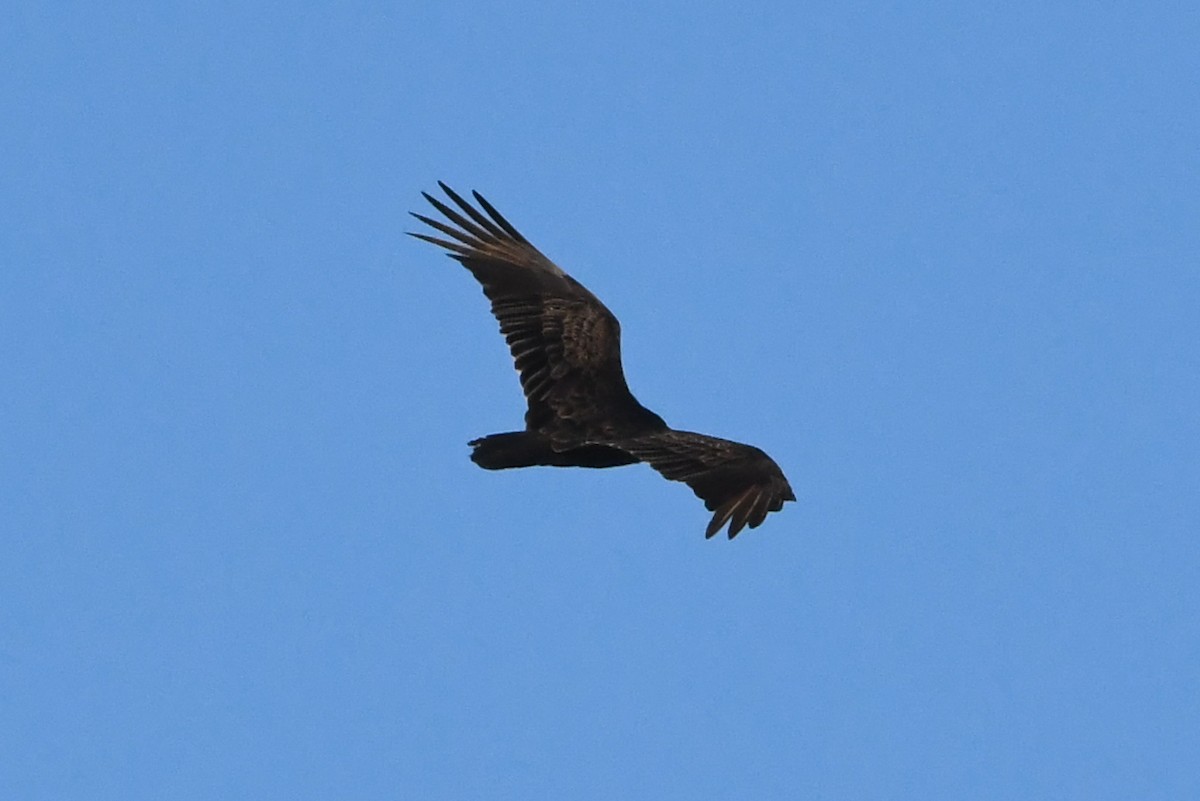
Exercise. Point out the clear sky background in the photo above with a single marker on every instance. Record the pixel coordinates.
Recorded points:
(941, 260)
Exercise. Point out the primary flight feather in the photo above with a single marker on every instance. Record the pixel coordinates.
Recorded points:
(567, 349)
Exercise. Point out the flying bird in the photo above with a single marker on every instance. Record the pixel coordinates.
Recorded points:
(567, 349)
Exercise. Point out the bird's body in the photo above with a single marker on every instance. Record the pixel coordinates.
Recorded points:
(567, 348)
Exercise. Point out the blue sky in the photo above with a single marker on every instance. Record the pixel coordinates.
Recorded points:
(941, 261)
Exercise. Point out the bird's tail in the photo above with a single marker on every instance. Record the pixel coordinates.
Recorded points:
(513, 449)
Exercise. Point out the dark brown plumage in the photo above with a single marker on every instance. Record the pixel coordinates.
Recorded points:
(567, 349)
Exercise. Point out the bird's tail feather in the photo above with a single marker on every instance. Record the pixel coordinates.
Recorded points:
(512, 449)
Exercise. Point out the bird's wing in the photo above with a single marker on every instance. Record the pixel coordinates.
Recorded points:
(565, 342)
(738, 483)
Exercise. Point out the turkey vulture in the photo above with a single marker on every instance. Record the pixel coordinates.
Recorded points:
(567, 348)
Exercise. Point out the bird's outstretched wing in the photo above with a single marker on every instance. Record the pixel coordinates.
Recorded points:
(565, 342)
(738, 483)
